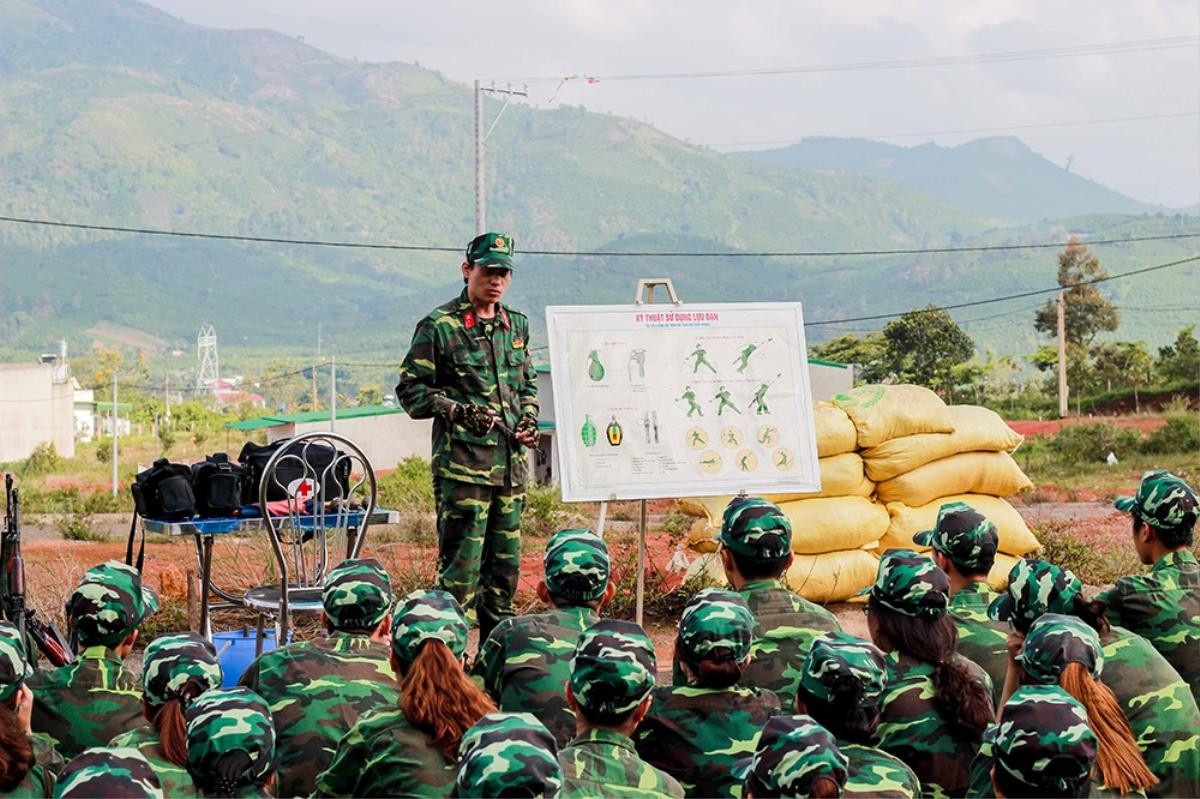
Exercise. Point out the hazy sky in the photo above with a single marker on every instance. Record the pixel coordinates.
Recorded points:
(1152, 160)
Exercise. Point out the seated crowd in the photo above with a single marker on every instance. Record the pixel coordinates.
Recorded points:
(960, 691)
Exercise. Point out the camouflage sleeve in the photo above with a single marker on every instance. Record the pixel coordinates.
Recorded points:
(489, 666)
(1111, 597)
(341, 778)
(528, 394)
(249, 678)
(418, 391)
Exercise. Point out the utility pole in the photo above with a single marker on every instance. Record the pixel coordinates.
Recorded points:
(480, 137)
(1062, 356)
(115, 433)
(332, 392)
(315, 404)
(167, 397)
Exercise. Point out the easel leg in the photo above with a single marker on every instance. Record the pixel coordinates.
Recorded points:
(206, 588)
(641, 567)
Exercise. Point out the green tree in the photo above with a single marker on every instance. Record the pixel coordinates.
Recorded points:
(370, 394)
(1180, 361)
(1123, 362)
(1086, 311)
(866, 354)
(924, 345)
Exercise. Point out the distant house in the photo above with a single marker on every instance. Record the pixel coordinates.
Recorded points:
(229, 392)
(37, 406)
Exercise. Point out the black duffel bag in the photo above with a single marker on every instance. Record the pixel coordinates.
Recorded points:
(164, 492)
(218, 485)
(335, 482)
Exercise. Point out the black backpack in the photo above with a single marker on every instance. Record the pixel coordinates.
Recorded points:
(335, 482)
(218, 485)
(162, 492)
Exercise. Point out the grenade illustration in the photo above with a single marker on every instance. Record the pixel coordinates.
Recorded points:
(588, 432)
(614, 433)
(595, 368)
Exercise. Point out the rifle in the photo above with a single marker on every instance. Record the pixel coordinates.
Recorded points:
(46, 637)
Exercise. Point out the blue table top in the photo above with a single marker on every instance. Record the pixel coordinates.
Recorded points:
(255, 524)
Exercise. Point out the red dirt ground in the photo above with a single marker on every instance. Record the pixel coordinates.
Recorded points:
(1048, 427)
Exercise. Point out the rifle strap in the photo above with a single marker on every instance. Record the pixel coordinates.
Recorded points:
(141, 558)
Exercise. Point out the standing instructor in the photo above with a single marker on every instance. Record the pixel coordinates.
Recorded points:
(468, 368)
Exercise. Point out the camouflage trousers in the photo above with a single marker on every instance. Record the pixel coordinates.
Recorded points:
(479, 547)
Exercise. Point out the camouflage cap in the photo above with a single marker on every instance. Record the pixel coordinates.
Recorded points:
(1044, 740)
(427, 615)
(1164, 501)
(910, 584)
(171, 661)
(613, 667)
(507, 754)
(836, 659)
(793, 753)
(716, 619)
(964, 535)
(14, 663)
(357, 595)
(225, 721)
(491, 249)
(1055, 640)
(755, 528)
(1035, 587)
(121, 773)
(576, 565)
(109, 604)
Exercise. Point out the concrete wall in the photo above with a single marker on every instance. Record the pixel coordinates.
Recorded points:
(386, 440)
(35, 409)
(826, 381)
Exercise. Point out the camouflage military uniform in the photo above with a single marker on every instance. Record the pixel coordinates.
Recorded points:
(174, 780)
(88, 702)
(318, 689)
(226, 721)
(108, 772)
(611, 673)
(15, 669)
(506, 754)
(697, 734)
(793, 753)
(383, 754)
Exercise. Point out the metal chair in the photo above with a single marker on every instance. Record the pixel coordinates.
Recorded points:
(303, 539)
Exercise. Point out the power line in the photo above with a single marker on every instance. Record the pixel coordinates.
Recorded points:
(590, 253)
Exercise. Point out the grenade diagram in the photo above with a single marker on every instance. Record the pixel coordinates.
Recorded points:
(595, 368)
(588, 432)
(614, 433)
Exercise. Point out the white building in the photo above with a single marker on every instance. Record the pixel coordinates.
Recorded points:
(37, 406)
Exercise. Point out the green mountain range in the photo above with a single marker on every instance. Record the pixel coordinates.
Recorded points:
(118, 114)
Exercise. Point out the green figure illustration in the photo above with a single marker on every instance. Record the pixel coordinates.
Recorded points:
(693, 406)
(743, 358)
(760, 399)
(744, 463)
(698, 438)
(723, 402)
(588, 432)
(784, 460)
(595, 368)
(700, 354)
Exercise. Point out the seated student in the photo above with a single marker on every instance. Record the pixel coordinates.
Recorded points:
(1156, 702)
(175, 670)
(28, 762)
(841, 688)
(1164, 605)
(612, 673)
(937, 703)
(696, 732)
(756, 551)
(507, 754)
(964, 545)
(1042, 746)
(525, 661)
(317, 689)
(411, 749)
(89, 702)
(796, 758)
(231, 743)
(114, 773)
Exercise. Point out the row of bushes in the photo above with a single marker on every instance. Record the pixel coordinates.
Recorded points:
(1091, 443)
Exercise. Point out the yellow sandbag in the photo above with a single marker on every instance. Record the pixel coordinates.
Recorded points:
(710, 508)
(834, 523)
(841, 476)
(701, 537)
(975, 430)
(835, 431)
(994, 473)
(707, 568)
(880, 413)
(1015, 538)
(832, 576)
(998, 576)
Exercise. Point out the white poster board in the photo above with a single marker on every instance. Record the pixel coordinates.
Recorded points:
(681, 400)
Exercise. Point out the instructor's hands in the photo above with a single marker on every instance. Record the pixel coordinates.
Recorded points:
(477, 419)
(527, 430)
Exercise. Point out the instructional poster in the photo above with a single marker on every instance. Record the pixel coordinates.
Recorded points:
(681, 400)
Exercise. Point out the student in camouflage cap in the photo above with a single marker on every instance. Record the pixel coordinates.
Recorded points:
(1042, 747)
(231, 743)
(507, 754)
(937, 703)
(110, 773)
(841, 687)
(88, 702)
(964, 545)
(698, 731)
(756, 551)
(525, 662)
(469, 369)
(1164, 605)
(176, 669)
(611, 675)
(1156, 702)
(28, 762)
(410, 748)
(317, 689)
(796, 757)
